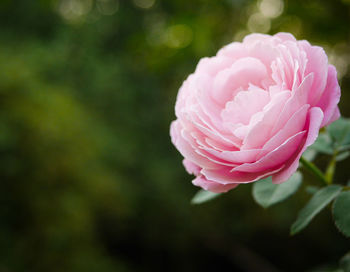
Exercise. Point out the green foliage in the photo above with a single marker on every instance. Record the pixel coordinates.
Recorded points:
(340, 133)
(266, 193)
(312, 189)
(318, 201)
(341, 214)
(345, 263)
(310, 154)
(343, 156)
(323, 144)
(54, 150)
(203, 196)
(336, 139)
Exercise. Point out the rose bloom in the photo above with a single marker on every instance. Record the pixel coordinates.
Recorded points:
(251, 111)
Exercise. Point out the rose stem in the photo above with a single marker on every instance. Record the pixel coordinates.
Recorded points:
(313, 168)
(330, 170)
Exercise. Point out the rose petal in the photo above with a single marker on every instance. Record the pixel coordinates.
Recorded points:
(225, 176)
(239, 75)
(318, 65)
(314, 124)
(185, 148)
(191, 168)
(330, 98)
(212, 186)
(294, 125)
(275, 158)
(297, 100)
(263, 128)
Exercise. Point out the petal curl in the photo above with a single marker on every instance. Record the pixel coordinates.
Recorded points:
(330, 98)
(314, 124)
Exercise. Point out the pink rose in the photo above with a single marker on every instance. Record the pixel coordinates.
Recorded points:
(252, 110)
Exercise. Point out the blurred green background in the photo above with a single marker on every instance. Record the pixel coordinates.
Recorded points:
(89, 178)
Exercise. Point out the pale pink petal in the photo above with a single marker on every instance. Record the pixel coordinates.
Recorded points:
(256, 37)
(224, 175)
(275, 158)
(263, 128)
(285, 36)
(233, 51)
(212, 186)
(314, 124)
(266, 53)
(294, 125)
(198, 147)
(214, 134)
(335, 115)
(244, 105)
(318, 65)
(212, 66)
(191, 168)
(186, 149)
(298, 99)
(239, 75)
(331, 96)
(236, 156)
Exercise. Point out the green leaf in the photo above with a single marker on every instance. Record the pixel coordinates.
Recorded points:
(341, 214)
(345, 263)
(203, 196)
(323, 144)
(318, 201)
(340, 132)
(342, 156)
(344, 147)
(266, 193)
(312, 189)
(310, 154)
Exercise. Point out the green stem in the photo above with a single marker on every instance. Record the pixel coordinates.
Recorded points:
(313, 169)
(331, 169)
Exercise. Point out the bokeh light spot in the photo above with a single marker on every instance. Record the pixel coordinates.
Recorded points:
(339, 56)
(107, 7)
(258, 23)
(178, 36)
(73, 11)
(144, 4)
(271, 8)
(155, 25)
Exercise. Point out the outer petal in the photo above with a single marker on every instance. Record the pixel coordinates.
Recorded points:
(285, 36)
(330, 98)
(335, 115)
(256, 37)
(314, 125)
(237, 157)
(298, 100)
(294, 125)
(191, 168)
(186, 149)
(225, 175)
(275, 158)
(318, 65)
(212, 186)
(212, 66)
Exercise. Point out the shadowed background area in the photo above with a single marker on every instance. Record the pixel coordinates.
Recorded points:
(89, 178)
